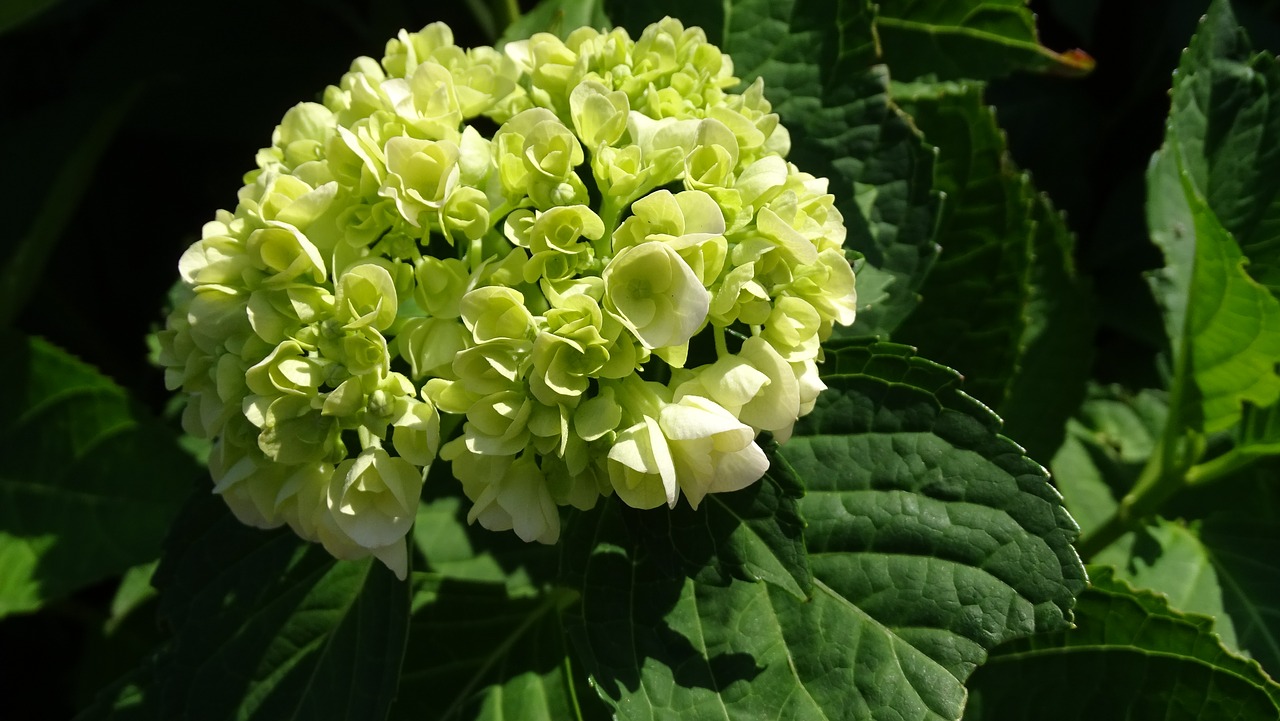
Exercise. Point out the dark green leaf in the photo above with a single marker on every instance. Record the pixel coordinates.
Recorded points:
(930, 537)
(125, 700)
(477, 652)
(90, 481)
(974, 308)
(1055, 355)
(974, 39)
(660, 646)
(485, 639)
(16, 13)
(906, 479)
(1129, 657)
(559, 17)
(817, 60)
(25, 264)
(452, 548)
(269, 627)
(753, 534)
(1245, 550)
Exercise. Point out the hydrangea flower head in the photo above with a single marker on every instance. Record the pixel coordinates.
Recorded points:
(590, 252)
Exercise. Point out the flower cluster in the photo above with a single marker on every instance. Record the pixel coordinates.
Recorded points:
(588, 251)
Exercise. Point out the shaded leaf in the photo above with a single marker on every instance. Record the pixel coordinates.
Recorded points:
(974, 39)
(752, 534)
(1245, 551)
(24, 266)
(90, 481)
(16, 13)
(558, 17)
(477, 652)
(1055, 353)
(1104, 668)
(1259, 431)
(124, 700)
(135, 590)
(1224, 566)
(973, 314)
(452, 548)
(485, 639)
(269, 627)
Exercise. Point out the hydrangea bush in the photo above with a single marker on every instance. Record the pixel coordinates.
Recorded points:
(592, 250)
(596, 286)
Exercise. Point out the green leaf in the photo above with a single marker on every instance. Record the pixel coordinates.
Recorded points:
(819, 74)
(24, 266)
(134, 591)
(124, 700)
(1055, 355)
(1168, 557)
(1130, 656)
(1245, 551)
(930, 539)
(452, 548)
(1225, 566)
(1259, 431)
(477, 652)
(753, 534)
(660, 646)
(1223, 326)
(558, 17)
(16, 13)
(1108, 442)
(974, 39)
(269, 627)
(907, 478)
(1225, 129)
(973, 315)
(90, 481)
(485, 639)
(1003, 304)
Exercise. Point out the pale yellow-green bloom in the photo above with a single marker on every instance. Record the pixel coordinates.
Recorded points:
(489, 256)
(373, 499)
(655, 294)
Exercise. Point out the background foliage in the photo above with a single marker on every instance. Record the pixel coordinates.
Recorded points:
(1126, 331)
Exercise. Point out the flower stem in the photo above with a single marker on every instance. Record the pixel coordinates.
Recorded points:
(722, 346)
(1168, 471)
(1227, 464)
(510, 13)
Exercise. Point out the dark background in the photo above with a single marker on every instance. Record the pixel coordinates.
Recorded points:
(199, 86)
